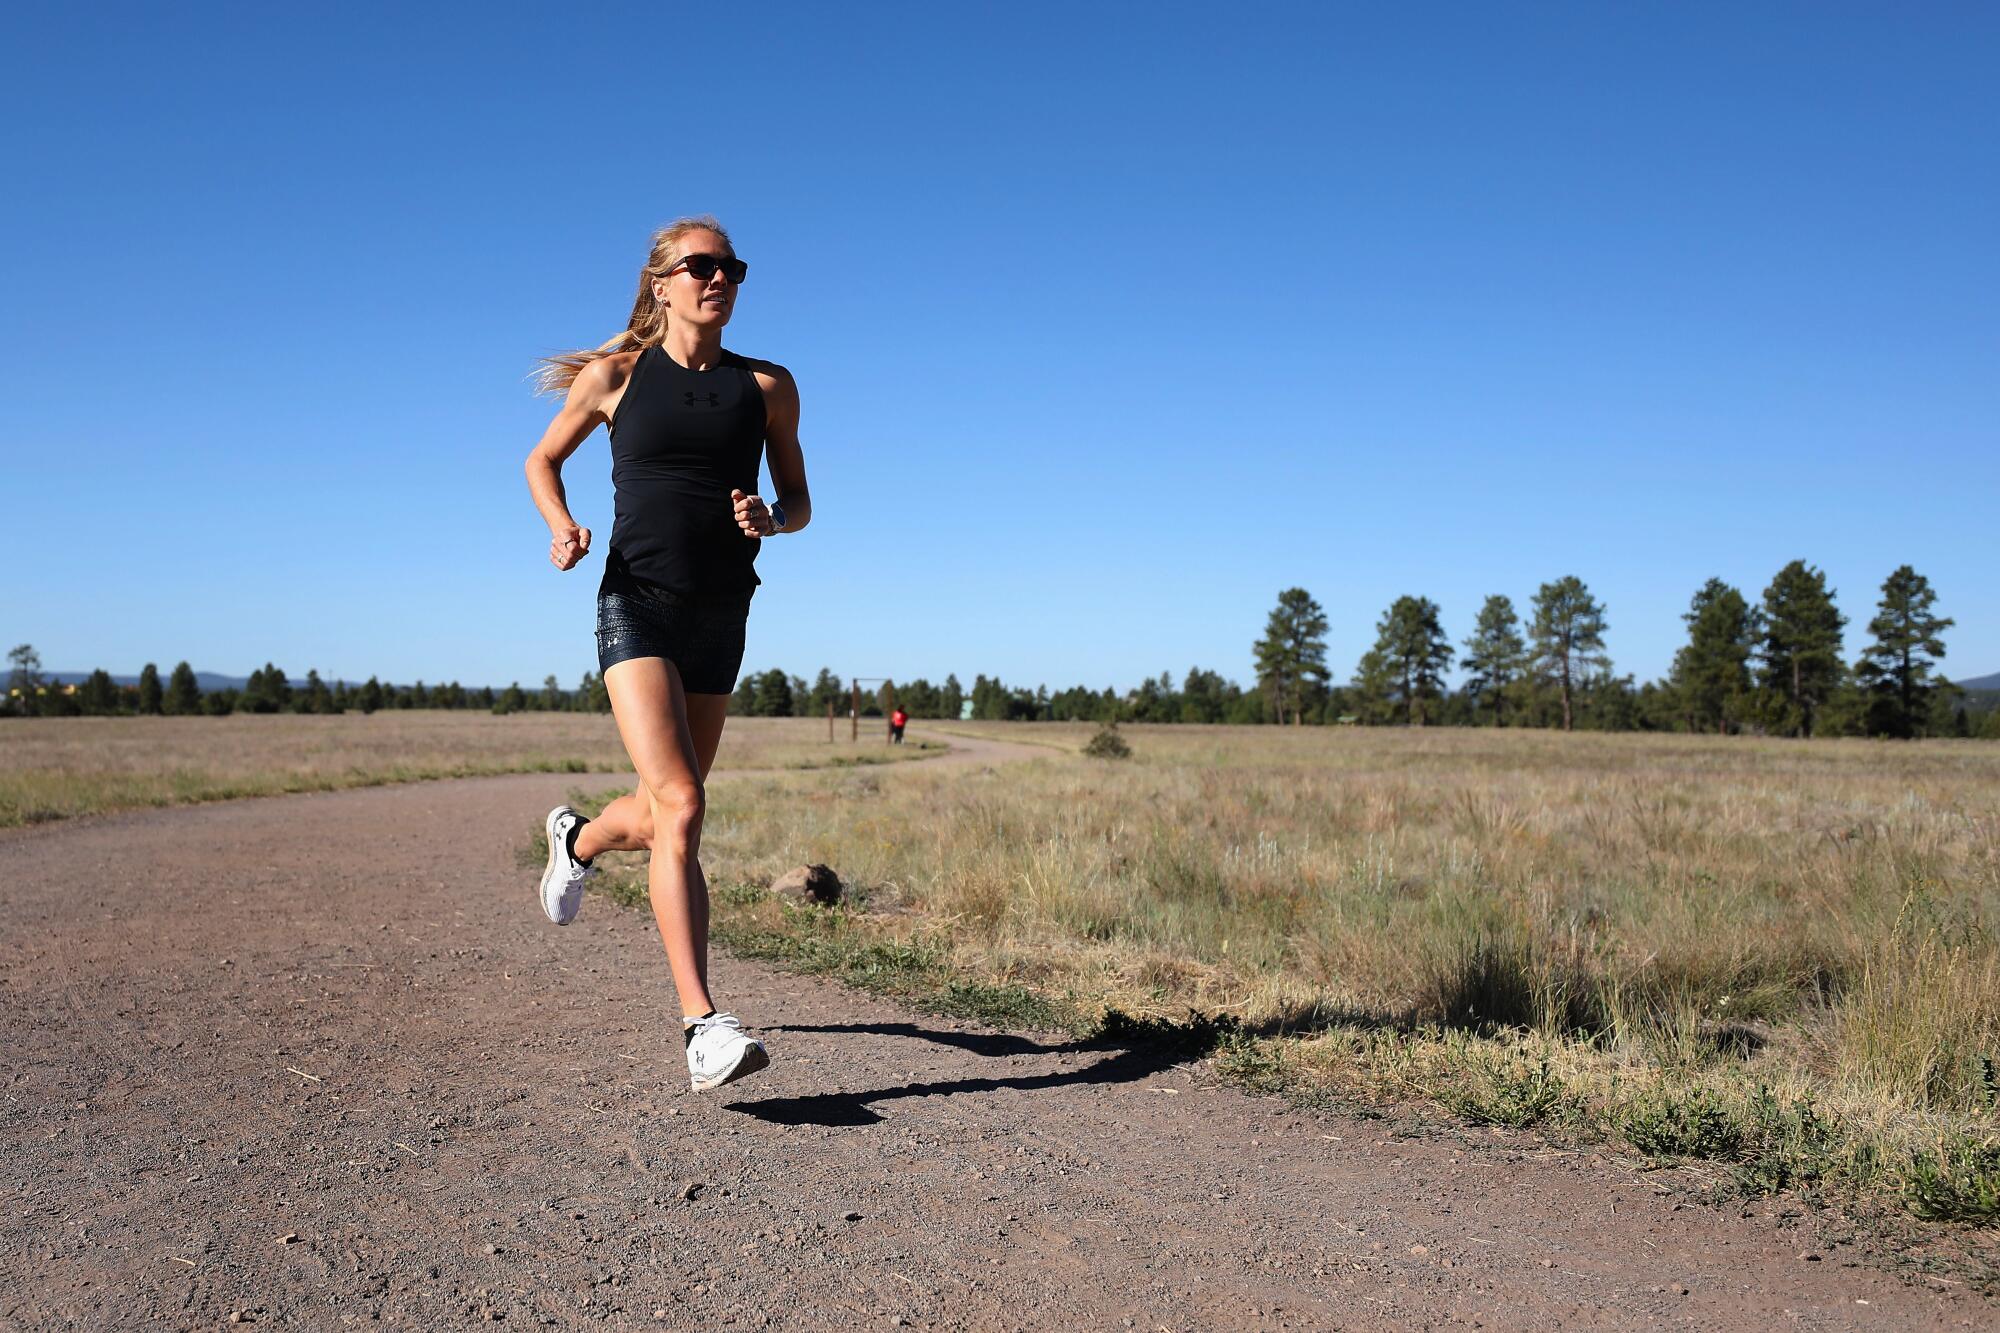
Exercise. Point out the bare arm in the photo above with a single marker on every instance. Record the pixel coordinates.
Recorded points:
(782, 454)
(596, 384)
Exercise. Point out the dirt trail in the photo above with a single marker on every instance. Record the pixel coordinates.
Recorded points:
(320, 1059)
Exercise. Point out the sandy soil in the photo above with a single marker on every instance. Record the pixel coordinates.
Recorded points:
(320, 1060)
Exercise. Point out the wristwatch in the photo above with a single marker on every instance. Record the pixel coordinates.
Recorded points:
(777, 517)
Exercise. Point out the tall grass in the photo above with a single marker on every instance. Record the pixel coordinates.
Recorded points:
(1670, 924)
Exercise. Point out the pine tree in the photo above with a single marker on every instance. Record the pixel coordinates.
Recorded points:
(98, 695)
(1373, 689)
(1291, 657)
(951, 697)
(920, 697)
(1206, 696)
(1711, 674)
(1895, 671)
(1415, 652)
(315, 698)
(772, 694)
(989, 699)
(183, 694)
(267, 691)
(825, 689)
(151, 697)
(1611, 703)
(511, 699)
(371, 695)
(1495, 656)
(1800, 654)
(1152, 701)
(25, 678)
(1568, 634)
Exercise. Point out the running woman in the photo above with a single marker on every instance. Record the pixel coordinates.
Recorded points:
(689, 422)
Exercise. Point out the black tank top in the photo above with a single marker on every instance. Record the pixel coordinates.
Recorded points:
(680, 442)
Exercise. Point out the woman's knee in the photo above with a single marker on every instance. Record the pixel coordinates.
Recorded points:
(676, 809)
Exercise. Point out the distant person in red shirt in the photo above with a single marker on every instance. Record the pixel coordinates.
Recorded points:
(897, 720)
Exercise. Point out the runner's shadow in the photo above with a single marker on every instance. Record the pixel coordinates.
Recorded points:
(1127, 1063)
(978, 1043)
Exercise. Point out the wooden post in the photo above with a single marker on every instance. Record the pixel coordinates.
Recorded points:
(856, 715)
(829, 721)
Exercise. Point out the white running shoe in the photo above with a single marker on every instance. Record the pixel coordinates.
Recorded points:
(562, 881)
(720, 1052)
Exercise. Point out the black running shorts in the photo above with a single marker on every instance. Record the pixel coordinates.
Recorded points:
(702, 636)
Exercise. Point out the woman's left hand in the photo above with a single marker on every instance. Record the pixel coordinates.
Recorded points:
(752, 515)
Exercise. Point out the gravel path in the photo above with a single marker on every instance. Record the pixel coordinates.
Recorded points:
(319, 1059)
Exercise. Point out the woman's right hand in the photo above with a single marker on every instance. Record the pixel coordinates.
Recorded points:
(568, 545)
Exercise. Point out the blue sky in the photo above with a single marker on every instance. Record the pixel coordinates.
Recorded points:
(1110, 321)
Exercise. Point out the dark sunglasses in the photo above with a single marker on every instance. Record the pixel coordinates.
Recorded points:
(704, 267)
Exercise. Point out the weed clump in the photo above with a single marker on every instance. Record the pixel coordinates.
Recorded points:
(1108, 744)
(1254, 1065)
(1508, 1091)
(1795, 1146)
(1960, 1182)
(1691, 1124)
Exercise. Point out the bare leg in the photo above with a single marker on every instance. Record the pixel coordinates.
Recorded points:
(671, 738)
(626, 824)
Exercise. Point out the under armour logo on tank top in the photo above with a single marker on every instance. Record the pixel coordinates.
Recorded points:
(681, 440)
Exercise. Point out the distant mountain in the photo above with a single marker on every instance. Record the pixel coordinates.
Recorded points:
(1991, 682)
(203, 680)
(206, 681)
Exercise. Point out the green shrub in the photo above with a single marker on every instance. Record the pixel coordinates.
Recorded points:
(1794, 1146)
(1108, 744)
(1960, 1182)
(1690, 1124)
(1507, 1091)
(1254, 1064)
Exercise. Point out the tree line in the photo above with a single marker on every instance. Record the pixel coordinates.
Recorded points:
(1775, 667)
(1204, 696)
(269, 690)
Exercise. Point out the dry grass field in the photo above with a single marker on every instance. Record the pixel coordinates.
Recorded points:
(55, 768)
(1775, 956)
